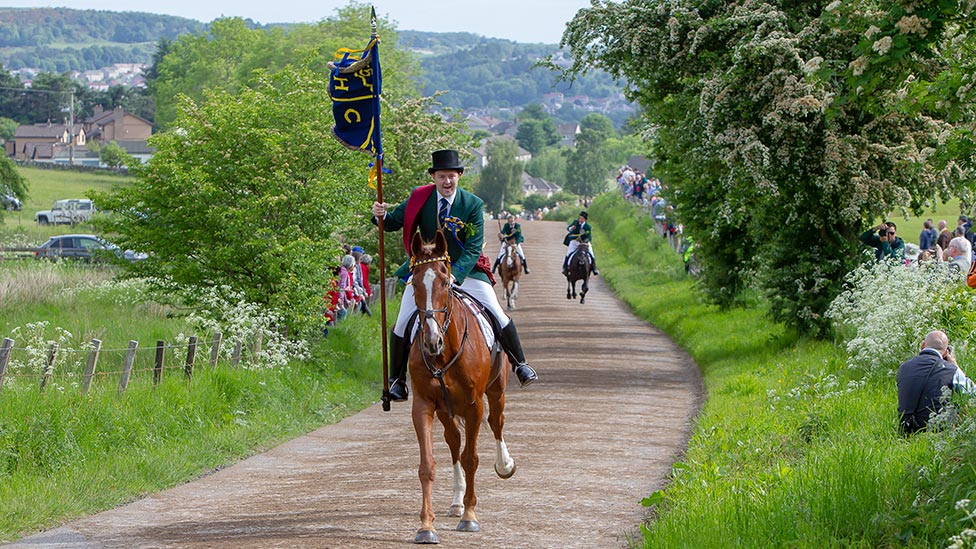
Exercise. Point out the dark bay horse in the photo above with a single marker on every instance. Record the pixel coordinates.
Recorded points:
(452, 370)
(510, 270)
(579, 269)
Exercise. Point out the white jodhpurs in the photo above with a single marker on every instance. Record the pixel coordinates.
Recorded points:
(482, 291)
(573, 244)
(518, 248)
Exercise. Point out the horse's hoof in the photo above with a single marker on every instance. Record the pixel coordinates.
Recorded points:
(468, 526)
(510, 473)
(428, 537)
(455, 511)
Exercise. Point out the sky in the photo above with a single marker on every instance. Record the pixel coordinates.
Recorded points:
(519, 20)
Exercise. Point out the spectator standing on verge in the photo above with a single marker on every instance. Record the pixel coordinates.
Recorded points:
(960, 251)
(922, 378)
(885, 242)
(928, 236)
(944, 235)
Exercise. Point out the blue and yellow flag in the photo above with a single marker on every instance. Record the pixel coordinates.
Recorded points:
(355, 85)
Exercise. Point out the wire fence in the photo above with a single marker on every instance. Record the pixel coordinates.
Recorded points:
(81, 367)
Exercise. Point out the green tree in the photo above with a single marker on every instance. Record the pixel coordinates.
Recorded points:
(536, 129)
(49, 98)
(7, 128)
(11, 181)
(588, 169)
(550, 164)
(501, 179)
(245, 195)
(534, 135)
(114, 156)
(11, 96)
(227, 56)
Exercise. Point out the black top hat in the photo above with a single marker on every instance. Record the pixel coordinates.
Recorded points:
(445, 160)
(584, 216)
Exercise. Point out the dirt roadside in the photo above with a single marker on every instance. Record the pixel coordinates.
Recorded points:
(612, 410)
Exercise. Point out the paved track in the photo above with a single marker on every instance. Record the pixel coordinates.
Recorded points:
(612, 410)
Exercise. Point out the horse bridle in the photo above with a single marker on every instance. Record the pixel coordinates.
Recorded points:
(438, 373)
(429, 313)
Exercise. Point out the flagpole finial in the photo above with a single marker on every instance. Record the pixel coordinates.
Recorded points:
(372, 19)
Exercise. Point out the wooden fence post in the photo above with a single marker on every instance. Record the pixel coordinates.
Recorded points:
(130, 357)
(258, 341)
(160, 358)
(90, 365)
(235, 360)
(52, 352)
(5, 352)
(215, 349)
(191, 353)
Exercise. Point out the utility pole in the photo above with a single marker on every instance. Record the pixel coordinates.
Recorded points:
(71, 130)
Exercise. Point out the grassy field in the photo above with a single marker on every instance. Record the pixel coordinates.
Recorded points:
(46, 186)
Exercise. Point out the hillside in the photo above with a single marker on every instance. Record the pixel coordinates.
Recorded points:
(487, 75)
(61, 40)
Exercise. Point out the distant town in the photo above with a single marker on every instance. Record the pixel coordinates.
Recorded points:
(119, 74)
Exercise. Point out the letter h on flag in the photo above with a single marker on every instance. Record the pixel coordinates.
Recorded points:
(355, 84)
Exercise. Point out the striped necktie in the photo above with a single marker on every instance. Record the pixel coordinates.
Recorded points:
(442, 212)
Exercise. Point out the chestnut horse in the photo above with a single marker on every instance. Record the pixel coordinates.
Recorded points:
(451, 371)
(510, 270)
(580, 266)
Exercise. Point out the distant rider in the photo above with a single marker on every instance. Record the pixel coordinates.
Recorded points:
(579, 231)
(511, 232)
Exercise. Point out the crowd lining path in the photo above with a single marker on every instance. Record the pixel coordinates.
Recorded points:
(612, 410)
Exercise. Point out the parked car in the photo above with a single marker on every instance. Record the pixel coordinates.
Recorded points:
(10, 202)
(86, 247)
(69, 211)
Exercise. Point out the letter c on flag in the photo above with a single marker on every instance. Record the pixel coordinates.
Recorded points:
(350, 113)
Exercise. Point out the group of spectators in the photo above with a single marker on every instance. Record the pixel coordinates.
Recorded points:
(349, 288)
(638, 186)
(935, 243)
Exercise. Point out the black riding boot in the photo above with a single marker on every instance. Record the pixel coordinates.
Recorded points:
(525, 266)
(593, 266)
(498, 261)
(513, 348)
(398, 368)
(566, 265)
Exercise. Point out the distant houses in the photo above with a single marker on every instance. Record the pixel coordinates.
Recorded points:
(64, 143)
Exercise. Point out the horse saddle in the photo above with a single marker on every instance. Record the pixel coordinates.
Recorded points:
(487, 322)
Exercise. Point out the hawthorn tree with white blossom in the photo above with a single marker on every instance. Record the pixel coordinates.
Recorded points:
(779, 136)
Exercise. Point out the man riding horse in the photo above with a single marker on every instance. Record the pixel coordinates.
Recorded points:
(460, 214)
(512, 233)
(579, 231)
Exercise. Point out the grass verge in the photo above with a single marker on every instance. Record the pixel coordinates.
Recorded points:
(792, 448)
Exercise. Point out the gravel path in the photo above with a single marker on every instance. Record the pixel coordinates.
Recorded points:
(612, 410)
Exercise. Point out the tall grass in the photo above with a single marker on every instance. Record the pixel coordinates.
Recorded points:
(792, 447)
(64, 454)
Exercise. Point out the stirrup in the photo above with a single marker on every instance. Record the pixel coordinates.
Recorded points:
(525, 374)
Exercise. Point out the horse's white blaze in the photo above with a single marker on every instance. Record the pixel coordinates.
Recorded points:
(429, 277)
(503, 460)
(459, 485)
